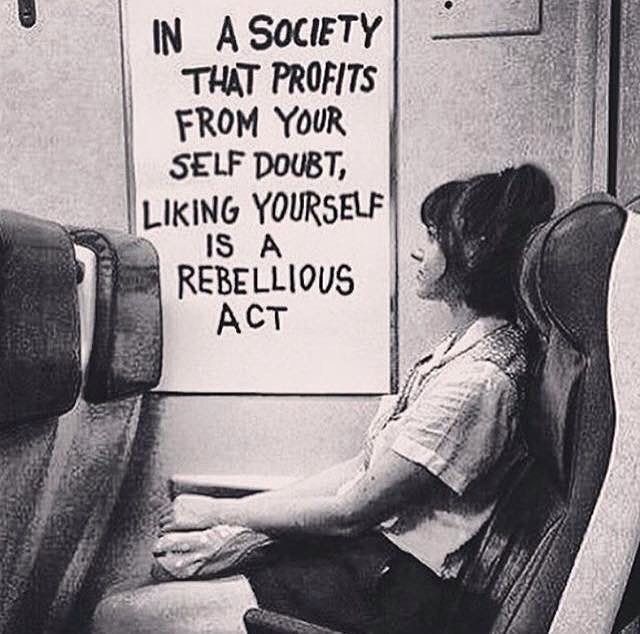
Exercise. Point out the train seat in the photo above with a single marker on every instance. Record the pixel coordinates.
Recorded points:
(40, 366)
(80, 339)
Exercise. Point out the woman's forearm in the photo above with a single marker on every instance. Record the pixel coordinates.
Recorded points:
(302, 515)
(390, 483)
(193, 512)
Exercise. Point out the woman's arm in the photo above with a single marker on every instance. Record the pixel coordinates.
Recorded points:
(389, 484)
(326, 482)
(190, 511)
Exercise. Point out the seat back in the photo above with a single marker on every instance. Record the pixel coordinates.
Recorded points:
(604, 561)
(92, 454)
(39, 324)
(73, 303)
(524, 558)
(40, 375)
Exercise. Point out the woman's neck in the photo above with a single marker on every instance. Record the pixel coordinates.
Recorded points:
(462, 317)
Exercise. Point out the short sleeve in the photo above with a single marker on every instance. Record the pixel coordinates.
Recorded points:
(460, 424)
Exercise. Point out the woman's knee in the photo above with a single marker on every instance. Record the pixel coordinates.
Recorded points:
(183, 607)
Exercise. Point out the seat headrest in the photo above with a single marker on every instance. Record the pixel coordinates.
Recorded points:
(565, 268)
(126, 355)
(40, 373)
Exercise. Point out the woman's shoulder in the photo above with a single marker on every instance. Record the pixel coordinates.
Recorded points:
(505, 348)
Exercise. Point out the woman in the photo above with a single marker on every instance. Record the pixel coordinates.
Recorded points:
(373, 544)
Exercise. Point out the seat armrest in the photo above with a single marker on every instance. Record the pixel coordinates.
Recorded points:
(260, 621)
(218, 485)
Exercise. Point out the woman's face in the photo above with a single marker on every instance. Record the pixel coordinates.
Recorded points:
(432, 264)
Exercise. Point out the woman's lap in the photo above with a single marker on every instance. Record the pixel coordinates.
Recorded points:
(354, 585)
(362, 585)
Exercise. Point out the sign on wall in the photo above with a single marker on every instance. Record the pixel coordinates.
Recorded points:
(260, 139)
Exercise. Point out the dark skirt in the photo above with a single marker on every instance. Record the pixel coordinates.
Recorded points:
(362, 585)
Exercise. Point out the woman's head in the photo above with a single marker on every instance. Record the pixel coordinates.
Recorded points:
(475, 229)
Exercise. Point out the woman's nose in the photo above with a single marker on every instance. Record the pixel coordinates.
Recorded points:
(418, 254)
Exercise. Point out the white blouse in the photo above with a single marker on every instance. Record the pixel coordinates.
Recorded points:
(457, 416)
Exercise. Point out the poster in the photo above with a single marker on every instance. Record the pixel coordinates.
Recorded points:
(261, 140)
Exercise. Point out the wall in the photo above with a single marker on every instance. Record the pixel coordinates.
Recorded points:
(464, 106)
(628, 155)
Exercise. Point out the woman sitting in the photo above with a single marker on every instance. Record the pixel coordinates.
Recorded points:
(374, 544)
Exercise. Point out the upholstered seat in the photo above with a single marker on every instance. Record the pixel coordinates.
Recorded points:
(528, 551)
(40, 375)
(60, 478)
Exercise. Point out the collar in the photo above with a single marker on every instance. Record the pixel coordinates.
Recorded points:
(478, 329)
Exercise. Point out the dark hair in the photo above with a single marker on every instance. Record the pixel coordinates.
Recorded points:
(481, 224)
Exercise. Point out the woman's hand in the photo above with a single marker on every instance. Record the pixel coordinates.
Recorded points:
(189, 512)
(182, 554)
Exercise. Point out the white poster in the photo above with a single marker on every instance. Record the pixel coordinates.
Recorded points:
(260, 138)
